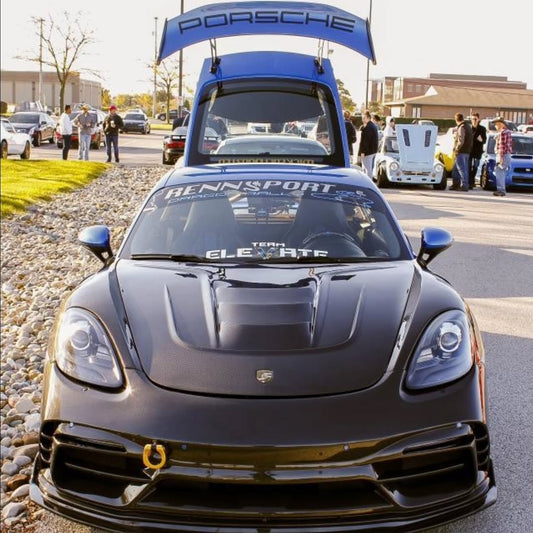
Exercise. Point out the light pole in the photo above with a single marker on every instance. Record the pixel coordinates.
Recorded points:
(41, 99)
(180, 81)
(155, 70)
(368, 60)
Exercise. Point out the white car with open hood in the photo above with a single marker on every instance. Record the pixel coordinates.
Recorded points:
(409, 157)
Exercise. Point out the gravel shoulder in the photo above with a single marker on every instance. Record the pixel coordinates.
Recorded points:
(41, 262)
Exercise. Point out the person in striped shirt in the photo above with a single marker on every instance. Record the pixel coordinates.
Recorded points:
(504, 149)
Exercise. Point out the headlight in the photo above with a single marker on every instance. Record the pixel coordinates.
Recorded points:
(443, 354)
(394, 166)
(83, 350)
(439, 168)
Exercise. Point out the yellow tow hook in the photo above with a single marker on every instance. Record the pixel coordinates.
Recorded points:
(149, 452)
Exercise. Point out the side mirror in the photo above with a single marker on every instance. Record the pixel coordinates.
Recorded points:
(97, 239)
(433, 242)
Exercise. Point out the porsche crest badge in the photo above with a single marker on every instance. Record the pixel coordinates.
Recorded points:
(264, 376)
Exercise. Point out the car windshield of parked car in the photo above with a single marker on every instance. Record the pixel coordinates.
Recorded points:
(265, 220)
(390, 145)
(521, 145)
(281, 121)
(24, 118)
(134, 116)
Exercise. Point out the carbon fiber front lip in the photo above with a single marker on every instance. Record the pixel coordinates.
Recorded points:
(144, 505)
(47, 497)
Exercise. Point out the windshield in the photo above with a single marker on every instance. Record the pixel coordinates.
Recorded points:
(522, 145)
(136, 116)
(389, 145)
(259, 220)
(22, 118)
(277, 121)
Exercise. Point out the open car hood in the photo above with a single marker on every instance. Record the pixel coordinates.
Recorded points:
(416, 144)
(221, 330)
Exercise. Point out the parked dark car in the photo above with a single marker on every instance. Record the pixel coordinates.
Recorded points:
(38, 125)
(174, 144)
(172, 114)
(97, 133)
(136, 123)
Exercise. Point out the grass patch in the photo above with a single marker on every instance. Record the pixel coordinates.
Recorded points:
(27, 182)
(161, 126)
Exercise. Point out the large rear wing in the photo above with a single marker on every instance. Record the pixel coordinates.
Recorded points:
(304, 19)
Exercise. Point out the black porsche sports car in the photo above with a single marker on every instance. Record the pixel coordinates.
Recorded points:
(265, 352)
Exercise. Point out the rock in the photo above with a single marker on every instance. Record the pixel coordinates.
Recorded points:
(16, 481)
(10, 468)
(24, 405)
(21, 492)
(22, 460)
(29, 450)
(32, 422)
(13, 509)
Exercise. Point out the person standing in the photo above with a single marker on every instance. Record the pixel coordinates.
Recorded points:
(368, 146)
(504, 149)
(113, 123)
(479, 138)
(85, 126)
(351, 134)
(462, 147)
(390, 127)
(65, 129)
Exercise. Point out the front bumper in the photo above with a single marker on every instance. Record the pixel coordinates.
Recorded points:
(137, 128)
(415, 178)
(250, 478)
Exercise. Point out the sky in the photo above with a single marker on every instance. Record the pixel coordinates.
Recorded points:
(411, 38)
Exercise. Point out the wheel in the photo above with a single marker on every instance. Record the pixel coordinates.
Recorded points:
(4, 149)
(27, 151)
(52, 139)
(37, 140)
(382, 177)
(96, 145)
(441, 186)
(59, 144)
(484, 179)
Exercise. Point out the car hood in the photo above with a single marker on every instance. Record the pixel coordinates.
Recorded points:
(416, 144)
(305, 330)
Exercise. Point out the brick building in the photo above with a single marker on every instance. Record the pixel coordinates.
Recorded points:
(23, 86)
(443, 95)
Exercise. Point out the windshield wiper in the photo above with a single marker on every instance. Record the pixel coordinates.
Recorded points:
(311, 259)
(172, 257)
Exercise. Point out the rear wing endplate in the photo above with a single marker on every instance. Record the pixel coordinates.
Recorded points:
(303, 19)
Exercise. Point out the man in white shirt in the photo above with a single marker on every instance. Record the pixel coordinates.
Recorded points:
(65, 129)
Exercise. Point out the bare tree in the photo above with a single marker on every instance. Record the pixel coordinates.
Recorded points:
(66, 42)
(168, 75)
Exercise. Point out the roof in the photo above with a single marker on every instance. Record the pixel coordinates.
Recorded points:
(473, 97)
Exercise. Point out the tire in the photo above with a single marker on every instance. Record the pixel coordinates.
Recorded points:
(37, 140)
(52, 139)
(59, 145)
(441, 186)
(484, 179)
(4, 150)
(382, 180)
(27, 151)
